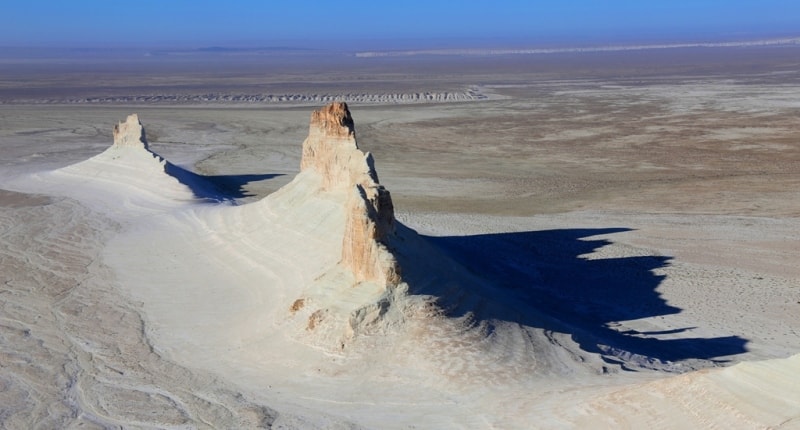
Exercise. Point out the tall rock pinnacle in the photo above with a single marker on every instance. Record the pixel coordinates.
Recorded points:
(130, 133)
(331, 150)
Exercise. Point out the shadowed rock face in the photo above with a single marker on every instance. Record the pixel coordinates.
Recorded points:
(331, 150)
(130, 133)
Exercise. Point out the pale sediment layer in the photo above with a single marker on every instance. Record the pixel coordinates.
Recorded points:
(77, 353)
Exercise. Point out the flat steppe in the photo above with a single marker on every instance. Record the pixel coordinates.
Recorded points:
(652, 195)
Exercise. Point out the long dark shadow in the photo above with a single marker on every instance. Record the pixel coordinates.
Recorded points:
(233, 185)
(544, 279)
(215, 188)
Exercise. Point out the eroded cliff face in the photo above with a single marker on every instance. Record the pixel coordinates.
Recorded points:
(331, 150)
(368, 231)
(130, 133)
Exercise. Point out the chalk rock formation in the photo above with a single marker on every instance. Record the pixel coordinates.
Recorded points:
(331, 150)
(131, 161)
(130, 133)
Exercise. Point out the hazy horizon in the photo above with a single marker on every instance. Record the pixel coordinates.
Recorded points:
(438, 46)
(413, 24)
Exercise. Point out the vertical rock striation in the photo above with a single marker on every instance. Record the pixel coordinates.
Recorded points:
(331, 150)
(130, 133)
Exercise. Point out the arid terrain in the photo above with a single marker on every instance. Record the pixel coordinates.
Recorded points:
(611, 240)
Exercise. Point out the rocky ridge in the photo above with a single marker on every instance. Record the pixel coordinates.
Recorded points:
(473, 93)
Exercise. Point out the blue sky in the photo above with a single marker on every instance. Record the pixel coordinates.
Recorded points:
(87, 23)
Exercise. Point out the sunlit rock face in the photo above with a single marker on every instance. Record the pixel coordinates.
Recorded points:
(331, 150)
(130, 133)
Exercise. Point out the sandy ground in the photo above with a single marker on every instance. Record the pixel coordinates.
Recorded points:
(648, 227)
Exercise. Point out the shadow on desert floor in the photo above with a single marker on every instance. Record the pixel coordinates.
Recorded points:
(215, 188)
(544, 279)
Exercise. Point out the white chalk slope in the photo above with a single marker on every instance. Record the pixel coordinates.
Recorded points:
(128, 179)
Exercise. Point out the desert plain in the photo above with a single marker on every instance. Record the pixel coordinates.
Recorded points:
(610, 240)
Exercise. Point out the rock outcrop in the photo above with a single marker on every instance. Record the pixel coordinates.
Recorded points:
(331, 150)
(130, 133)
(131, 151)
